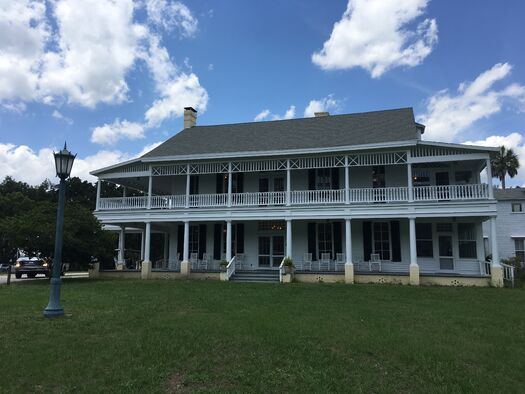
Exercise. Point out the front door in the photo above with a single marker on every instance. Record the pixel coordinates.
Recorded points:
(271, 251)
(446, 257)
(442, 179)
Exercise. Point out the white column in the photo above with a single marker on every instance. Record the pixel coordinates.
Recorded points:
(228, 240)
(147, 242)
(186, 248)
(124, 190)
(348, 240)
(166, 247)
(413, 248)
(142, 240)
(414, 267)
(288, 183)
(410, 182)
(494, 243)
(97, 206)
(121, 244)
(289, 238)
(230, 184)
(489, 178)
(347, 181)
(187, 186)
(150, 188)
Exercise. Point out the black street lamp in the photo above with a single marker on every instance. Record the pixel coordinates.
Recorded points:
(63, 163)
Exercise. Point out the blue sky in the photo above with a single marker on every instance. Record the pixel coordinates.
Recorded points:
(112, 78)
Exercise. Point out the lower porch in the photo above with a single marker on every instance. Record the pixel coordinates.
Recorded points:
(378, 249)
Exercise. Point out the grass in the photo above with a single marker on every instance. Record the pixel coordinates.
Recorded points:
(191, 336)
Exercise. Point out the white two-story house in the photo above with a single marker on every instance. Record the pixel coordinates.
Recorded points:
(353, 198)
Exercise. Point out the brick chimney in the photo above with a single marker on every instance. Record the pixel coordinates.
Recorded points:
(190, 117)
(319, 114)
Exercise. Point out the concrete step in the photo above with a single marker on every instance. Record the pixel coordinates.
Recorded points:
(257, 276)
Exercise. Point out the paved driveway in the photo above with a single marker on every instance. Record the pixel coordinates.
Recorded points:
(69, 275)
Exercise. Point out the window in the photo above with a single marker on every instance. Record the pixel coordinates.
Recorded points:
(272, 225)
(516, 207)
(467, 241)
(421, 178)
(424, 244)
(325, 239)
(444, 227)
(378, 176)
(194, 239)
(323, 179)
(463, 177)
(381, 240)
(519, 245)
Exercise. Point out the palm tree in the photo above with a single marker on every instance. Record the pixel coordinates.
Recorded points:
(504, 162)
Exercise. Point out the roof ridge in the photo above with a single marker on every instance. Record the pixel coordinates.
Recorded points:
(305, 118)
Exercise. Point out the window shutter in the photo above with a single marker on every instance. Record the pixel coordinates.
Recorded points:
(335, 178)
(312, 240)
(311, 180)
(396, 240)
(240, 238)
(218, 183)
(338, 246)
(202, 240)
(217, 231)
(367, 240)
(180, 240)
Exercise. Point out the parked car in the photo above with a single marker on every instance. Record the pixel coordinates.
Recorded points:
(4, 267)
(32, 267)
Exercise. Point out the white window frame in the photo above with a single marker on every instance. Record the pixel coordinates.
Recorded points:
(522, 250)
(474, 239)
(389, 239)
(518, 204)
(332, 251)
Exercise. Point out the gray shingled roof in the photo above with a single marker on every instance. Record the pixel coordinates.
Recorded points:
(318, 132)
(510, 194)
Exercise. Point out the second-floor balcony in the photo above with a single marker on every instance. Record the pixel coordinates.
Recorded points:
(301, 197)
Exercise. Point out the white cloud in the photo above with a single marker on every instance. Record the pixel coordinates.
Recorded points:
(325, 104)
(448, 115)
(148, 148)
(375, 35)
(267, 115)
(53, 55)
(26, 165)
(57, 115)
(516, 141)
(264, 114)
(83, 63)
(183, 91)
(170, 15)
(16, 107)
(109, 134)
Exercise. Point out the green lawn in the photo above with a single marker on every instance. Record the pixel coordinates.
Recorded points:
(191, 336)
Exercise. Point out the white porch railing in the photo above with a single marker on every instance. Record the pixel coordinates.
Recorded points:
(508, 273)
(317, 197)
(230, 268)
(383, 194)
(168, 202)
(451, 192)
(123, 202)
(208, 200)
(281, 270)
(301, 197)
(259, 198)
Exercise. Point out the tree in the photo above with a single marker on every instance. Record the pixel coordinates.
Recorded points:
(504, 162)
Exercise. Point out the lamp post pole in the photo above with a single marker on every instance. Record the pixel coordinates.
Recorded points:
(63, 163)
(54, 308)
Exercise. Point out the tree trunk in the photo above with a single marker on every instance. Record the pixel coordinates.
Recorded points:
(502, 179)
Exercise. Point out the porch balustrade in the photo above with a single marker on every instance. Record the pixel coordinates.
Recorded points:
(301, 197)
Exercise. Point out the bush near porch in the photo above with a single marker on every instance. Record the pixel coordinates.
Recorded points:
(186, 336)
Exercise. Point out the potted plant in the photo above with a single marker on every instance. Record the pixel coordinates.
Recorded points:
(288, 265)
(222, 265)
